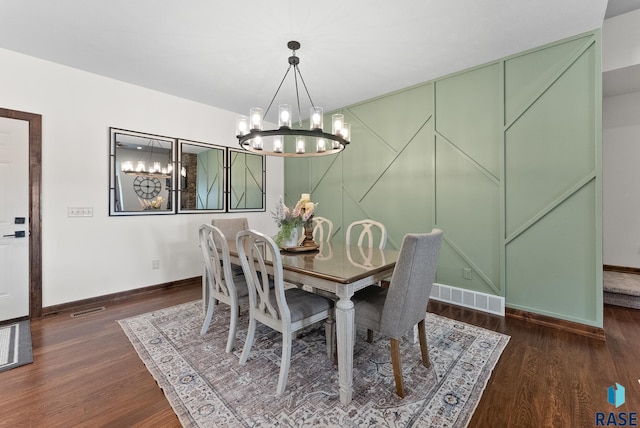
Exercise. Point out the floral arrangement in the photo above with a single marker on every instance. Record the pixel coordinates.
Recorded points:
(151, 204)
(289, 219)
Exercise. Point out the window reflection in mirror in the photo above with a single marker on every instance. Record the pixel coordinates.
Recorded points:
(246, 181)
(202, 177)
(141, 173)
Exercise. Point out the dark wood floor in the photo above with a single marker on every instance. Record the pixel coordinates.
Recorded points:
(86, 373)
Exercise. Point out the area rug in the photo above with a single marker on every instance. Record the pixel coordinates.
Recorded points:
(15, 345)
(207, 387)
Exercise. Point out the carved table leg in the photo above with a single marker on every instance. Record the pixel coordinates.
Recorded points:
(345, 328)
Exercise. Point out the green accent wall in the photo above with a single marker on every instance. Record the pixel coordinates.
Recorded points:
(505, 158)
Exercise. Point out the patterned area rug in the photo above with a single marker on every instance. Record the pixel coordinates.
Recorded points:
(208, 388)
(15, 345)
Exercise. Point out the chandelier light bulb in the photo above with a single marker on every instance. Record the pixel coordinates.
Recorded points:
(284, 115)
(242, 125)
(255, 114)
(316, 118)
(300, 145)
(277, 145)
(321, 145)
(337, 121)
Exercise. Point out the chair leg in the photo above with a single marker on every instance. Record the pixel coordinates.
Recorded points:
(329, 333)
(397, 366)
(369, 335)
(249, 342)
(208, 316)
(232, 328)
(422, 334)
(285, 362)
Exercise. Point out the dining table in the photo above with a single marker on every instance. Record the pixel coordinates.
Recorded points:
(340, 270)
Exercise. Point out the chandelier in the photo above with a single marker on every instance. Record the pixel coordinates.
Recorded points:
(287, 141)
(155, 169)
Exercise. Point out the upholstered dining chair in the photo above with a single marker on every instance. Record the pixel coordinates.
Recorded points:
(222, 285)
(395, 310)
(369, 229)
(286, 311)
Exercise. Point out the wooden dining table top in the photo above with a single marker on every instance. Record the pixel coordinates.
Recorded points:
(335, 262)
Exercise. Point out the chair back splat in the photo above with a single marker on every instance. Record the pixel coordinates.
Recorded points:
(322, 229)
(370, 230)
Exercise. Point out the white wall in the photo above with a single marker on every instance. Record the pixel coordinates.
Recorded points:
(88, 257)
(621, 180)
(621, 141)
(621, 41)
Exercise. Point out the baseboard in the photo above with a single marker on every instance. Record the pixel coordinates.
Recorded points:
(116, 297)
(547, 321)
(468, 298)
(623, 269)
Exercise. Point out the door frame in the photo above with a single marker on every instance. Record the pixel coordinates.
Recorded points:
(35, 218)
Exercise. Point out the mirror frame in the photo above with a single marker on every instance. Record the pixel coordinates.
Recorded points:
(223, 176)
(230, 208)
(113, 187)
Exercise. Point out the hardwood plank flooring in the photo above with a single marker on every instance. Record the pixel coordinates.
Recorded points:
(86, 373)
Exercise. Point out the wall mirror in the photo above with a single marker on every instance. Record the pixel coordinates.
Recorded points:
(246, 181)
(201, 176)
(141, 173)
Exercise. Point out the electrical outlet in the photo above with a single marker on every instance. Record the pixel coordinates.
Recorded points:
(155, 264)
(80, 212)
(466, 273)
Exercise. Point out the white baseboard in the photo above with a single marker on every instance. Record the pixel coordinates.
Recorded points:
(468, 298)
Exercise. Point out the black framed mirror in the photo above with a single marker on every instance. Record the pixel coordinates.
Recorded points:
(142, 173)
(201, 176)
(247, 176)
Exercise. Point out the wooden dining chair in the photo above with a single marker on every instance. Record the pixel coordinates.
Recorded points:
(222, 285)
(322, 229)
(395, 310)
(369, 230)
(230, 227)
(286, 311)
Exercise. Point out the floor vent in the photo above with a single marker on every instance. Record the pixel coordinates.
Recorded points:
(87, 312)
(468, 298)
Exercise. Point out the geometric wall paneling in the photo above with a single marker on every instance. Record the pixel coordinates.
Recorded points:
(551, 267)
(326, 190)
(468, 109)
(467, 209)
(397, 117)
(527, 76)
(456, 270)
(504, 158)
(551, 132)
(405, 190)
(365, 158)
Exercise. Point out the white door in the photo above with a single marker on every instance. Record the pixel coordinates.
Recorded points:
(14, 220)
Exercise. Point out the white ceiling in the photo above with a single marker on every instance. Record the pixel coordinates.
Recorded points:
(232, 54)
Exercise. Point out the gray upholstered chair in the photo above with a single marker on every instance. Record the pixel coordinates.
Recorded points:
(395, 310)
(221, 284)
(286, 311)
(368, 228)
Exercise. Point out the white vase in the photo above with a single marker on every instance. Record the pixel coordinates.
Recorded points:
(293, 239)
